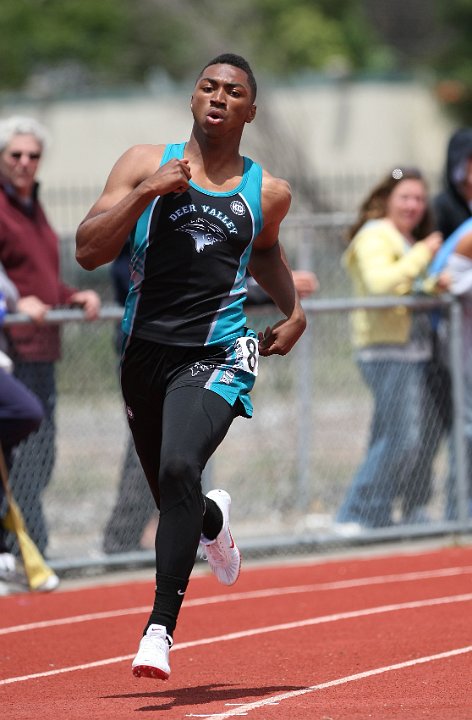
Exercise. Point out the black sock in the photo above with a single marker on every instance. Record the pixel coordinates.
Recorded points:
(168, 599)
(212, 519)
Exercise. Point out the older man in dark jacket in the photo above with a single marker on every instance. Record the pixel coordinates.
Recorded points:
(29, 252)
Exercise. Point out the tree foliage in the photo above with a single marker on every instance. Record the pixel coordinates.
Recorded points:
(121, 41)
(453, 60)
(39, 33)
(431, 37)
(75, 44)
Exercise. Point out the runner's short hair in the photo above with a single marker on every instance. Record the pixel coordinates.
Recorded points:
(236, 61)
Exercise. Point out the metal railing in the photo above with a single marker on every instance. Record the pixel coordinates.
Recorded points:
(287, 468)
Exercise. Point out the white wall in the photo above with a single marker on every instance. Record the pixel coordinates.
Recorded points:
(359, 128)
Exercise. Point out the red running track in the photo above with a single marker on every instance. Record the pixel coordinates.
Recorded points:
(387, 637)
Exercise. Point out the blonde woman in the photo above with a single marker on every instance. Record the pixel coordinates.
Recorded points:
(390, 248)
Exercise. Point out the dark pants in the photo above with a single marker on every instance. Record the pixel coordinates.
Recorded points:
(175, 433)
(20, 415)
(174, 440)
(33, 463)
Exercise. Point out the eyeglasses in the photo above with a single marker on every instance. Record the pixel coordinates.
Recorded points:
(17, 155)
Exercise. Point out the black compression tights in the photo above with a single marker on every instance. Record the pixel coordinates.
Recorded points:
(193, 423)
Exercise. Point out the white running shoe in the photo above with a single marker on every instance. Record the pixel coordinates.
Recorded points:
(348, 529)
(14, 579)
(51, 583)
(10, 579)
(222, 553)
(152, 660)
(8, 569)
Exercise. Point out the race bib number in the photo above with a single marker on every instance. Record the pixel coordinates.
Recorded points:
(247, 353)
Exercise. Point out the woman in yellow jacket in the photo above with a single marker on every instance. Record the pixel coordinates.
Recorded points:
(390, 247)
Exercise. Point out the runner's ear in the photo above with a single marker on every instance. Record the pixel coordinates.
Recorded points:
(251, 114)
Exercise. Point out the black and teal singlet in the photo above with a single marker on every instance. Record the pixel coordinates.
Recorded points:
(189, 253)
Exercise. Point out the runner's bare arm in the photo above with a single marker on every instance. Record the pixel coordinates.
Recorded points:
(132, 184)
(270, 268)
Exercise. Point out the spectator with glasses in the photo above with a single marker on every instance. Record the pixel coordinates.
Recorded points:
(29, 253)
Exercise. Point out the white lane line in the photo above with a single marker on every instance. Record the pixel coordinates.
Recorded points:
(245, 709)
(73, 619)
(282, 627)
(250, 595)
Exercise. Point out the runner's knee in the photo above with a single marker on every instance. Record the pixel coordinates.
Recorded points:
(177, 478)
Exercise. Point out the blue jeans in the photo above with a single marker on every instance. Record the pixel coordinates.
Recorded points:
(401, 447)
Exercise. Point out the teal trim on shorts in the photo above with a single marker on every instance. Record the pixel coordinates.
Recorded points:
(233, 383)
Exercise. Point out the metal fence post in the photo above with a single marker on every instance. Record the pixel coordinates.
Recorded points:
(305, 384)
(305, 399)
(458, 436)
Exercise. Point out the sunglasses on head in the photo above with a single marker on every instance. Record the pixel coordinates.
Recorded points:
(16, 155)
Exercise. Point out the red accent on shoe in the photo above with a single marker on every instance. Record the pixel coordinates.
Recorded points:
(149, 672)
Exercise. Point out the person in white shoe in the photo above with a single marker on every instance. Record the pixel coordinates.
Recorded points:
(21, 414)
(198, 215)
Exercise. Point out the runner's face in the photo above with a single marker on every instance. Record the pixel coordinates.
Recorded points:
(19, 163)
(222, 99)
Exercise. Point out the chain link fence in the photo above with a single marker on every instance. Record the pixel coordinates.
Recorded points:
(288, 469)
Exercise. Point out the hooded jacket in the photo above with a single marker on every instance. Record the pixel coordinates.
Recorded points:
(450, 206)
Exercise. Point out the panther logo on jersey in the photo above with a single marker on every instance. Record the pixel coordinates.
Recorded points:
(204, 233)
